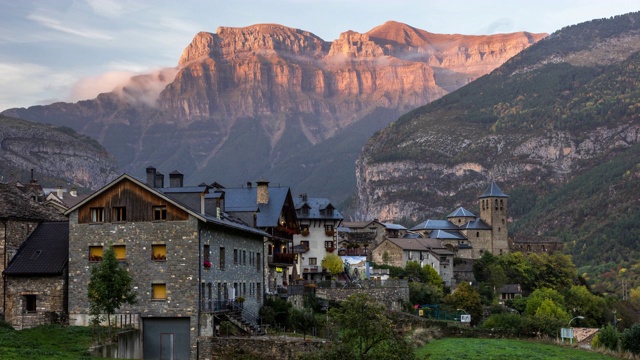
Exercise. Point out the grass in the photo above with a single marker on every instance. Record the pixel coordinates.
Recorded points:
(54, 342)
(499, 349)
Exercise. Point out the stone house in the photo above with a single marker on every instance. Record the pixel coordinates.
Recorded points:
(36, 278)
(319, 220)
(186, 265)
(359, 237)
(509, 292)
(468, 235)
(413, 247)
(272, 210)
(535, 244)
(19, 217)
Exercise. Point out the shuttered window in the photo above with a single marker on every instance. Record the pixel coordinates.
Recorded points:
(95, 253)
(159, 291)
(159, 252)
(120, 251)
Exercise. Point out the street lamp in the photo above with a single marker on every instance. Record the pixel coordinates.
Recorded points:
(463, 310)
(577, 317)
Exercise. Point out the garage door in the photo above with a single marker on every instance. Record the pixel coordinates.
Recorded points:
(166, 338)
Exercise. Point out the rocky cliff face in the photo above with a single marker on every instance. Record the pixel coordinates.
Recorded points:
(53, 152)
(287, 87)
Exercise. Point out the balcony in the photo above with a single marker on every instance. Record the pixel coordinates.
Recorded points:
(300, 249)
(312, 269)
(284, 259)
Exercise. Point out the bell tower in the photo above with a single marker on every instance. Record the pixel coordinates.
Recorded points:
(493, 211)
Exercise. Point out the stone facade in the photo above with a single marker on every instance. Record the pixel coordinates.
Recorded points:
(49, 293)
(538, 245)
(393, 294)
(204, 263)
(263, 348)
(13, 232)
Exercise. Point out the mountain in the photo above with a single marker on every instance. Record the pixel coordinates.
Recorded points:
(58, 155)
(557, 126)
(268, 101)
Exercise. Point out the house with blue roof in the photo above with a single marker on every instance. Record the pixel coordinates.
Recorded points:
(319, 220)
(468, 235)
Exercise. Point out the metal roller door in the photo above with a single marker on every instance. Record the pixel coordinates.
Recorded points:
(166, 338)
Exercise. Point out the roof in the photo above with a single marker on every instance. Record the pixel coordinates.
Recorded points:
(245, 199)
(476, 224)
(447, 235)
(510, 289)
(435, 225)
(359, 224)
(419, 244)
(15, 204)
(316, 205)
(412, 236)
(493, 191)
(225, 220)
(45, 252)
(461, 212)
(391, 226)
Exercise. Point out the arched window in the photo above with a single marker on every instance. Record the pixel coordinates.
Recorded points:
(477, 233)
(501, 204)
(496, 204)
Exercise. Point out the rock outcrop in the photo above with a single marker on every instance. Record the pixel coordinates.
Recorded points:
(287, 87)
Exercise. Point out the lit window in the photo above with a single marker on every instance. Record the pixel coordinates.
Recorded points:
(158, 291)
(95, 253)
(158, 252)
(159, 213)
(119, 213)
(97, 214)
(120, 252)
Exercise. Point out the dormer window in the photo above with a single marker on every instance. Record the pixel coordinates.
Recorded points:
(305, 209)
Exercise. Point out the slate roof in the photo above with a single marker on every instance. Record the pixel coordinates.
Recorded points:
(391, 226)
(358, 224)
(476, 224)
(435, 225)
(510, 289)
(245, 199)
(493, 191)
(45, 252)
(412, 236)
(315, 207)
(447, 235)
(461, 212)
(15, 204)
(225, 220)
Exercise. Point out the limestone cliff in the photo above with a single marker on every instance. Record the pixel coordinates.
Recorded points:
(248, 99)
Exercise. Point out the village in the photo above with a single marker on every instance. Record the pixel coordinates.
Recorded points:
(200, 255)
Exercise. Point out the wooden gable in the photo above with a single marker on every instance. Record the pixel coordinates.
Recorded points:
(139, 204)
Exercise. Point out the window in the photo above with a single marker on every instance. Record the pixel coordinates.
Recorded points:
(328, 244)
(120, 251)
(160, 212)
(95, 253)
(258, 262)
(119, 213)
(158, 252)
(29, 303)
(477, 233)
(313, 261)
(97, 215)
(304, 230)
(159, 291)
(259, 292)
(235, 256)
(222, 258)
(305, 244)
(244, 257)
(328, 228)
(206, 253)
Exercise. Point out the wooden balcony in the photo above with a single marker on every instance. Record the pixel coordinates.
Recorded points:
(282, 259)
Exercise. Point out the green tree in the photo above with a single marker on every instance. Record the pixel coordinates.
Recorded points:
(109, 287)
(550, 310)
(608, 338)
(303, 320)
(420, 293)
(468, 299)
(386, 258)
(432, 277)
(333, 263)
(535, 300)
(365, 332)
(579, 301)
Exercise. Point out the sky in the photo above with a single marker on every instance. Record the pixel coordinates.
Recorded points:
(70, 50)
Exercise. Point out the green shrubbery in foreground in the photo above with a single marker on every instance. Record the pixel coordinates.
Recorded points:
(45, 342)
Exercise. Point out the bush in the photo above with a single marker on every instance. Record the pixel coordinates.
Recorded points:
(607, 338)
(423, 336)
(630, 339)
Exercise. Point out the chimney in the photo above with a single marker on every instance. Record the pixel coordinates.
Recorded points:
(304, 197)
(159, 180)
(202, 202)
(263, 191)
(59, 192)
(176, 179)
(32, 179)
(151, 176)
(73, 192)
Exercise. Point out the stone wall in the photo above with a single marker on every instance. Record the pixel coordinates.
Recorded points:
(50, 295)
(263, 348)
(394, 251)
(12, 234)
(393, 295)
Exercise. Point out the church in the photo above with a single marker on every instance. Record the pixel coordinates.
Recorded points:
(469, 235)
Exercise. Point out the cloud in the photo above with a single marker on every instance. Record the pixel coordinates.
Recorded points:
(106, 8)
(130, 87)
(55, 24)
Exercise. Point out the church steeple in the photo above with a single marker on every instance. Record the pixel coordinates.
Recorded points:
(493, 211)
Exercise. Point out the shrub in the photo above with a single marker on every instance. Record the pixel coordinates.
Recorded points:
(630, 339)
(607, 338)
